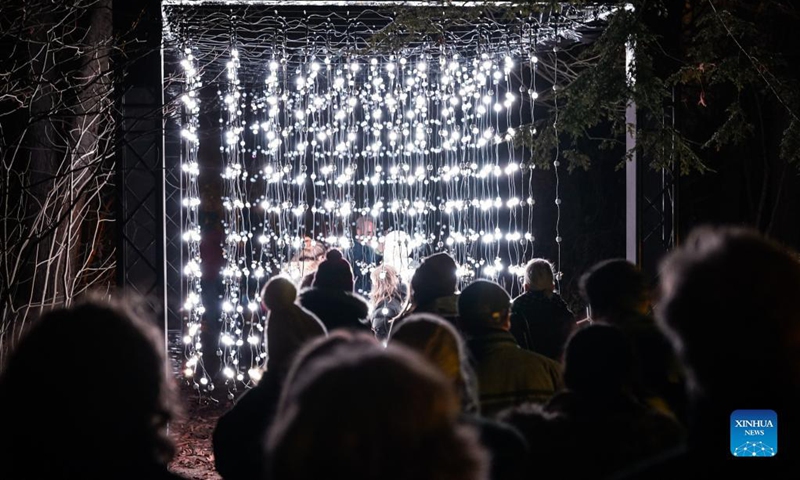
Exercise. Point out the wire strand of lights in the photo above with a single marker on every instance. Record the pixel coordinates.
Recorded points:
(556, 164)
(193, 308)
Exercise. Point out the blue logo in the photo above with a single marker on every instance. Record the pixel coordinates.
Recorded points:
(754, 433)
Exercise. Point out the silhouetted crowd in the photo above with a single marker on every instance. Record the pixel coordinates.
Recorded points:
(425, 382)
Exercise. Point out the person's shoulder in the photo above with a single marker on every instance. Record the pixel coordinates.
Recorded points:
(538, 359)
(354, 301)
(307, 292)
(521, 300)
(497, 435)
(559, 302)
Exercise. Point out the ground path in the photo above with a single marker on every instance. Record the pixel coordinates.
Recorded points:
(194, 457)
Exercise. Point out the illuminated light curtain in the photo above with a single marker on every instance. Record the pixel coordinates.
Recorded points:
(423, 140)
(240, 319)
(419, 144)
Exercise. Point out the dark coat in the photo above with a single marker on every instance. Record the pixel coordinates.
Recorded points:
(659, 377)
(507, 447)
(385, 311)
(362, 258)
(509, 375)
(336, 308)
(238, 439)
(577, 436)
(445, 307)
(541, 323)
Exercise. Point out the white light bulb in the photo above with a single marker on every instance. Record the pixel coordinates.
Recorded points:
(254, 374)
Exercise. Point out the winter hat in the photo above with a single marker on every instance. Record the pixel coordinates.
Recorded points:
(289, 326)
(334, 272)
(435, 277)
(279, 294)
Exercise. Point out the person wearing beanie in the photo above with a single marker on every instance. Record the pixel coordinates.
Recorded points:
(289, 325)
(334, 272)
(507, 374)
(433, 290)
(237, 438)
(331, 296)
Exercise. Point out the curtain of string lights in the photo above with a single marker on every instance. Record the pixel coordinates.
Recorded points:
(320, 127)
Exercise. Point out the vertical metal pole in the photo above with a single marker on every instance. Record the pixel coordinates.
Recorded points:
(163, 207)
(631, 167)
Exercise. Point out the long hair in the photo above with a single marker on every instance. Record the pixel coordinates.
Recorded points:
(385, 285)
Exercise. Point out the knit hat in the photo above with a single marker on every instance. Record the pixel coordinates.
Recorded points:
(435, 277)
(334, 272)
(289, 326)
(279, 293)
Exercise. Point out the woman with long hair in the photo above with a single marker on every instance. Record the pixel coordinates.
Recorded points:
(387, 297)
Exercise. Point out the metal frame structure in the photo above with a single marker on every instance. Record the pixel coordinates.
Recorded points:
(658, 210)
(651, 196)
(141, 224)
(150, 254)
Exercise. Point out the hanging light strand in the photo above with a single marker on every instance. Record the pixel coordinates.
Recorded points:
(193, 308)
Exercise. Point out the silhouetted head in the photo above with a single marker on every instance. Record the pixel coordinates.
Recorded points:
(86, 391)
(372, 413)
(434, 278)
(615, 287)
(323, 347)
(439, 342)
(598, 359)
(484, 306)
(539, 275)
(278, 293)
(334, 272)
(730, 305)
(289, 326)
